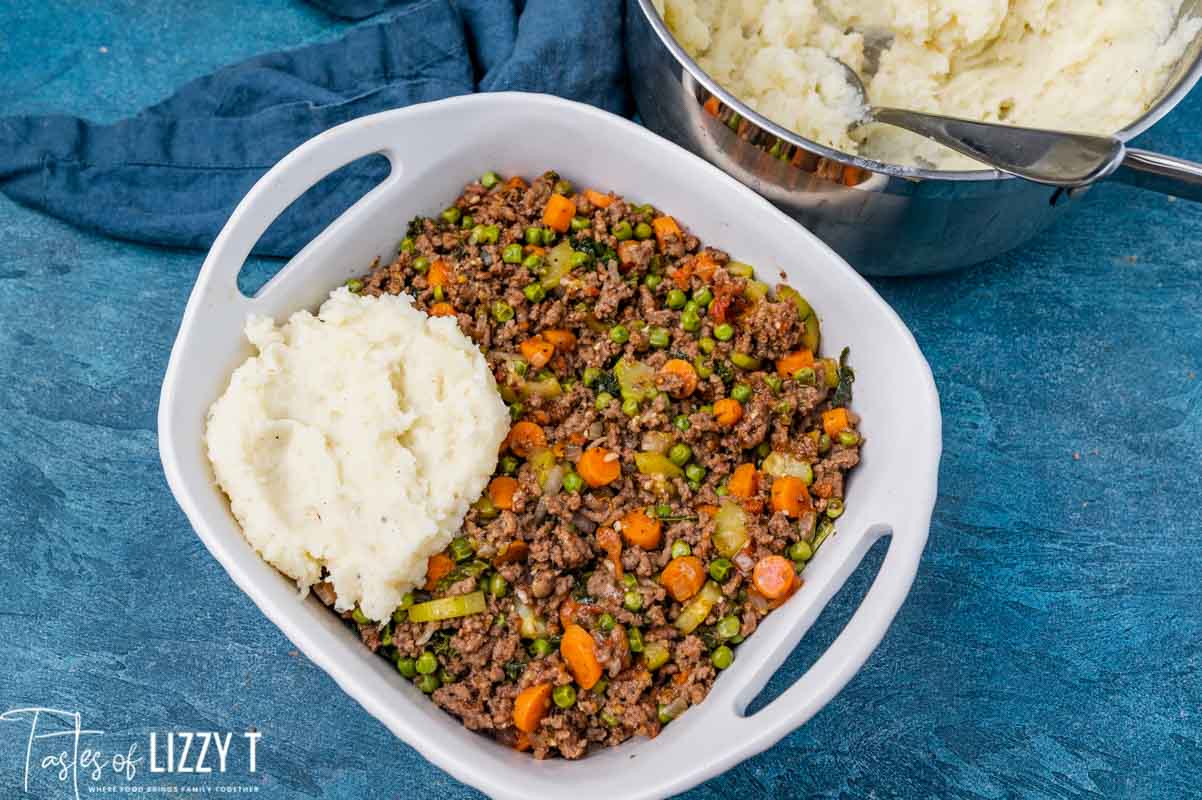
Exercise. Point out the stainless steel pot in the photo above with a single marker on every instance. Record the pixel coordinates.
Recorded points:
(883, 218)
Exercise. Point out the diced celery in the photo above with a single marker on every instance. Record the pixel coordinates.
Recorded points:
(461, 605)
(559, 264)
(697, 609)
(635, 379)
(656, 464)
(655, 655)
(730, 529)
(780, 465)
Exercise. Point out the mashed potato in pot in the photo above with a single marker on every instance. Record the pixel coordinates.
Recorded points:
(355, 441)
(1083, 65)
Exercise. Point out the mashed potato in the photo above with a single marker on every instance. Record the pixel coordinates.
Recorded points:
(1085, 65)
(356, 440)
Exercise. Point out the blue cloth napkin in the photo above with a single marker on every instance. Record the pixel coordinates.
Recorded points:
(172, 174)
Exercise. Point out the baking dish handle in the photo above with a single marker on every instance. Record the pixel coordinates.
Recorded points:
(290, 178)
(831, 672)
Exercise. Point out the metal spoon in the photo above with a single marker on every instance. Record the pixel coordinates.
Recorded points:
(1055, 158)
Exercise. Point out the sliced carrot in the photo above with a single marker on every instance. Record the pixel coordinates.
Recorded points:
(709, 510)
(628, 252)
(745, 482)
(683, 370)
(598, 467)
(639, 529)
(683, 577)
(598, 199)
(611, 543)
(442, 310)
(705, 265)
(712, 106)
(521, 742)
(517, 550)
(440, 274)
(576, 438)
(773, 577)
(437, 568)
(561, 339)
(526, 437)
(682, 276)
(728, 412)
(800, 359)
(580, 652)
(531, 706)
(567, 611)
(789, 496)
(720, 306)
(664, 227)
(515, 183)
(558, 213)
(834, 421)
(537, 351)
(501, 491)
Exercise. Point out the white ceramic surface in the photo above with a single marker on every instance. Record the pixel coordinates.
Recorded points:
(434, 150)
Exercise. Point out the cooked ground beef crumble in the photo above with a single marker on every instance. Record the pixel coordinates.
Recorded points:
(678, 454)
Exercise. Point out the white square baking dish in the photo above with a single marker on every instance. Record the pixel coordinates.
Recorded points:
(434, 149)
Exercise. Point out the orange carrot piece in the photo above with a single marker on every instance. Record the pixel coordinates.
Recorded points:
(531, 706)
(773, 577)
(639, 529)
(598, 199)
(561, 339)
(683, 370)
(439, 275)
(789, 496)
(683, 577)
(800, 359)
(515, 183)
(567, 611)
(745, 482)
(442, 310)
(728, 412)
(704, 266)
(611, 543)
(712, 106)
(537, 351)
(526, 437)
(710, 511)
(558, 213)
(437, 568)
(682, 276)
(598, 467)
(517, 550)
(501, 490)
(521, 742)
(580, 652)
(664, 227)
(834, 421)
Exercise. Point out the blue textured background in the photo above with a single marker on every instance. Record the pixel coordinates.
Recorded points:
(1052, 646)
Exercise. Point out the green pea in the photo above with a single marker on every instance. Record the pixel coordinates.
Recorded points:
(690, 321)
(600, 686)
(535, 292)
(744, 361)
(549, 237)
(489, 179)
(622, 231)
(706, 409)
(497, 585)
(724, 333)
(580, 223)
(633, 601)
(540, 648)
(736, 639)
(578, 259)
(609, 719)
(534, 236)
(428, 683)
(591, 375)
(664, 716)
(533, 262)
(452, 215)
(720, 568)
(849, 438)
(619, 335)
(695, 473)
(508, 465)
(564, 696)
(359, 617)
(603, 400)
(520, 368)
(572, 482)
(407, 600)
(400, 616)
(691, 306)
(502, 311)
(680, 549)
(630, 407)
(834, 508)
(728, 627)
(706, 344)
(722, 657)
(634, 637)
(426, 664)
(676, 299)
(652, 281)
(445, 677)
(492, 234)
(407, 667)
(408, 245)
(659, 338)
(662, 510)
(824, 443)
(461, 548)
(354, 285)
(801, 551)
(763, 449)
(468, 221)
(643, 231)
(515, 410)
(703, 296)
(421, 264)
(512, 254)
(805, 376)
(741, 392)
(606, 622)
(774, 382)
(629, 581)
(680, 454)
(563, 186)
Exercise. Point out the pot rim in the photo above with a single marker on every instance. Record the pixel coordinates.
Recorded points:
(1166, 103)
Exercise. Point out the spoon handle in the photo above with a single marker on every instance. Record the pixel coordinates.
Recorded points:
(1161, 173)
(1052, 157)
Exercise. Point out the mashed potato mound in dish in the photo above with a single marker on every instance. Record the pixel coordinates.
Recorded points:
(355, 441)
(1081, 65)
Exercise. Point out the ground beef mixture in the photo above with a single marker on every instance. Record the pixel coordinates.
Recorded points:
(677, 455)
